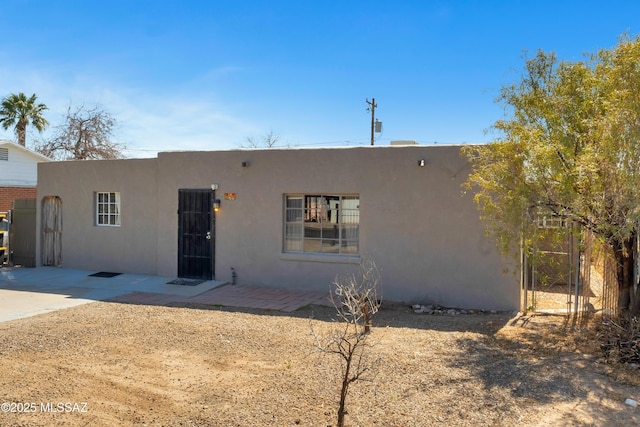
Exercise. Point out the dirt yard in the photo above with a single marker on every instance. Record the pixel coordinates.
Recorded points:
(121, 364)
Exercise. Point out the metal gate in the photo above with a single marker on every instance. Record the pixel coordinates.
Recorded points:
(600, 264)
(196, 234)
(571, 275)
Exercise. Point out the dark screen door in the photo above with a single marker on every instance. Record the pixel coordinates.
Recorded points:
(196, 234)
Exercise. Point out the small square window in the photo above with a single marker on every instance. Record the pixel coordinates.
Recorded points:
(108, 209)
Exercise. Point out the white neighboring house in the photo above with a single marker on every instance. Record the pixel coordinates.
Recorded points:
(18, 173)
(18, 180)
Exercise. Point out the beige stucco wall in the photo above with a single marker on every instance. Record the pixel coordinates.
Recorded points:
(424, 235)
(129, 248)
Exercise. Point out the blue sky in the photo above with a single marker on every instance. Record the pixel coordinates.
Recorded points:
(205, 75)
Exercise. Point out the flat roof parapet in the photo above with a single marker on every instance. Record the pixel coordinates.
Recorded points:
(404, 142)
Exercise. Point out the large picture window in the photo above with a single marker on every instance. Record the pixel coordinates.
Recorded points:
(322, 224)
(108, 209)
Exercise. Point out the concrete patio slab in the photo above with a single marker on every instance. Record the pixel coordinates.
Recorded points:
(27, 292)
(55, 277)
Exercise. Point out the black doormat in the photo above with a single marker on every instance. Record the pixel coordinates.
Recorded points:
(185, 282)
(104, 274)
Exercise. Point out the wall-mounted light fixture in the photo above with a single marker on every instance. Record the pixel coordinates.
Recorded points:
(214, 187)
(245, 164)
(216, 205)
(421, 163)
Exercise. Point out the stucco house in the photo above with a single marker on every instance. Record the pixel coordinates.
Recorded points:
(285, 218)
(18, 173)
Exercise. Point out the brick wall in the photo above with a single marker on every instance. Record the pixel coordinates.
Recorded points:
(9, 194)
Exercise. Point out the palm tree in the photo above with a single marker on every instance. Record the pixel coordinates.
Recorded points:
(19, 110)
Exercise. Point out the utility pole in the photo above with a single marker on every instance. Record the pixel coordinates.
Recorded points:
(372, 108)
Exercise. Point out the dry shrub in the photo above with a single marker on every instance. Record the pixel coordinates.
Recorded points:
(355, 298)
(620, 339)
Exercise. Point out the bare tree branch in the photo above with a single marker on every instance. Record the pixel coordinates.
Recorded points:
(355, 298)
(268, 140)
(86, 134)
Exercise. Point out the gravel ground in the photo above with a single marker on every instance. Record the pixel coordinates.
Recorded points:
(122, 364)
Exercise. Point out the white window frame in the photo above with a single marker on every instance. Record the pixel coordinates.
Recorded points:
(108, 209)
(331, 228)
(547, 219)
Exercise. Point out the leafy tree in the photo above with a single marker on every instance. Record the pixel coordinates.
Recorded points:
(20, 111)
(86, 134)
(570, 144)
